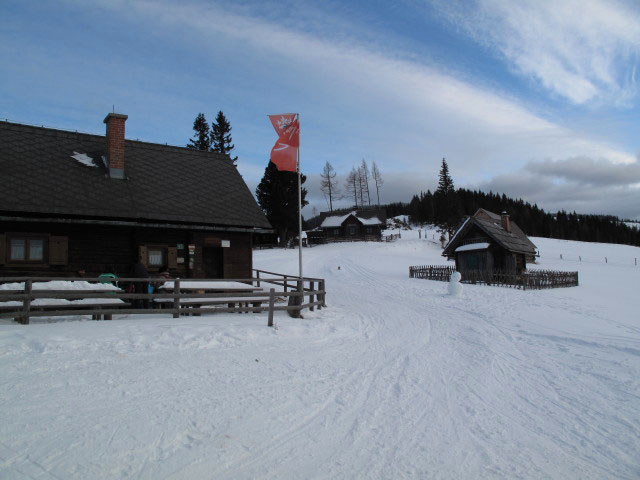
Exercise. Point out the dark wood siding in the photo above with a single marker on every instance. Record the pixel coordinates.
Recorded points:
(89, 250)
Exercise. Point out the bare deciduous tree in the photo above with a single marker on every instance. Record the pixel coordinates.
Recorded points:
(377, 178)
(364, 174)
(351, 185)
(328, 184)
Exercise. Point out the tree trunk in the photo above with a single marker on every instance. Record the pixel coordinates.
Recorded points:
(282, 233)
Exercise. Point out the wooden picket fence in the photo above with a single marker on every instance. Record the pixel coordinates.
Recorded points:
(529, 280)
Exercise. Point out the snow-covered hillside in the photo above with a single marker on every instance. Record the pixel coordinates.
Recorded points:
(396, 379)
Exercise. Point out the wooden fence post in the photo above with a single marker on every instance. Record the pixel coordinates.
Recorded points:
(28, 288)
(176, 298)
(272, 299)
(258, 275)
(324, 295)
(311, 283)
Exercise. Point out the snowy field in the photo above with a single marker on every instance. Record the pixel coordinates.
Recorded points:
(394, 380)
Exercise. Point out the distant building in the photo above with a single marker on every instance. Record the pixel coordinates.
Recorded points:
(73, 204)
(489, 243)
(356, 225)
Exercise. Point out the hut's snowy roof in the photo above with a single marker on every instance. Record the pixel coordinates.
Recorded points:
(338, 220)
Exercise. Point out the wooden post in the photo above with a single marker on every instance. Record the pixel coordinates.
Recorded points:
(324, 295)
(28, 287)
(176, 298)
(258, 275)
(272, 299)
(311, 283)
(285, 283)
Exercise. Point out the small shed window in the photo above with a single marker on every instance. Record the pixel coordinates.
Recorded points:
(352, 229)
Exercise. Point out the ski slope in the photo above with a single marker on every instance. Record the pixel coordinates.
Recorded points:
(396, 379)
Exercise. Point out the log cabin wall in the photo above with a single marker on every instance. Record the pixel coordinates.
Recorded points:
(351, 228)
(90, 250)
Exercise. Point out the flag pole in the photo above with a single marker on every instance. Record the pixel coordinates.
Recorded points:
(299, 210)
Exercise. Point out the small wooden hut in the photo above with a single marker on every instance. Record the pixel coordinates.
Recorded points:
(487, 243)
(356, 225)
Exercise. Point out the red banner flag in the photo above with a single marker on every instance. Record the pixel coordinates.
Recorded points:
(284, 153)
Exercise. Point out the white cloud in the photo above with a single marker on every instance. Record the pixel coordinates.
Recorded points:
(583, 50)
(362, 99)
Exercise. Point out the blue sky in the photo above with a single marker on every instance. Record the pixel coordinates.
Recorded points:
(537, 99)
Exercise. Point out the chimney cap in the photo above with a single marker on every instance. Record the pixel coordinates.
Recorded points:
(114, 115)
(504, 213)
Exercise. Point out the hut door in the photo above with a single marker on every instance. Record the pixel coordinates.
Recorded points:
(212, 260)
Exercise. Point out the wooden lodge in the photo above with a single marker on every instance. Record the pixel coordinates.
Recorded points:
(487, 244)
(75, 204)
(356, 225)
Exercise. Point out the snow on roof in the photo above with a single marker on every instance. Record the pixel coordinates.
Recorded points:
(336, 221)
(84, 159)
(459, 230)
(472, 246)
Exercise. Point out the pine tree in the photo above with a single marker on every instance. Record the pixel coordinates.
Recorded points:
(446, 202)
(277, 195)
(201, 139)
(445, 183)
(328, 184)
(221, 136)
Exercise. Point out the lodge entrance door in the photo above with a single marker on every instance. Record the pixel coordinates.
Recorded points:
(212, 259)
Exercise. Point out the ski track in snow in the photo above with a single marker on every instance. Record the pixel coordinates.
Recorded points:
(395, 379)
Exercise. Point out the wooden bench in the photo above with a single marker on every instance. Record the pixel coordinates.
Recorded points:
(230, 302)
(68, 306)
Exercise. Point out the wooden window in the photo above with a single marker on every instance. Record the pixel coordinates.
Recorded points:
(352, 230)
(26, 249)
(156, 257)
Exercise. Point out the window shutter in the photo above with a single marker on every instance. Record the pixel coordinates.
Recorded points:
(172, 257)
(2, 249)
(144, 257)
(58, 250)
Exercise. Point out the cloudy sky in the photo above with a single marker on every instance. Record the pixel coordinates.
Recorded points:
(537, 99)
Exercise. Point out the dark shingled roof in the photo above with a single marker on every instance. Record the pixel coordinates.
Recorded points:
(514, 241)
(162, 184)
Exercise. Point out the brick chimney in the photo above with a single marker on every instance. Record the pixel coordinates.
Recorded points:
(115, 144)
(504, 220)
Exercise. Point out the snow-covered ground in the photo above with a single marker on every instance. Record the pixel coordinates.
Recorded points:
(396, 379)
